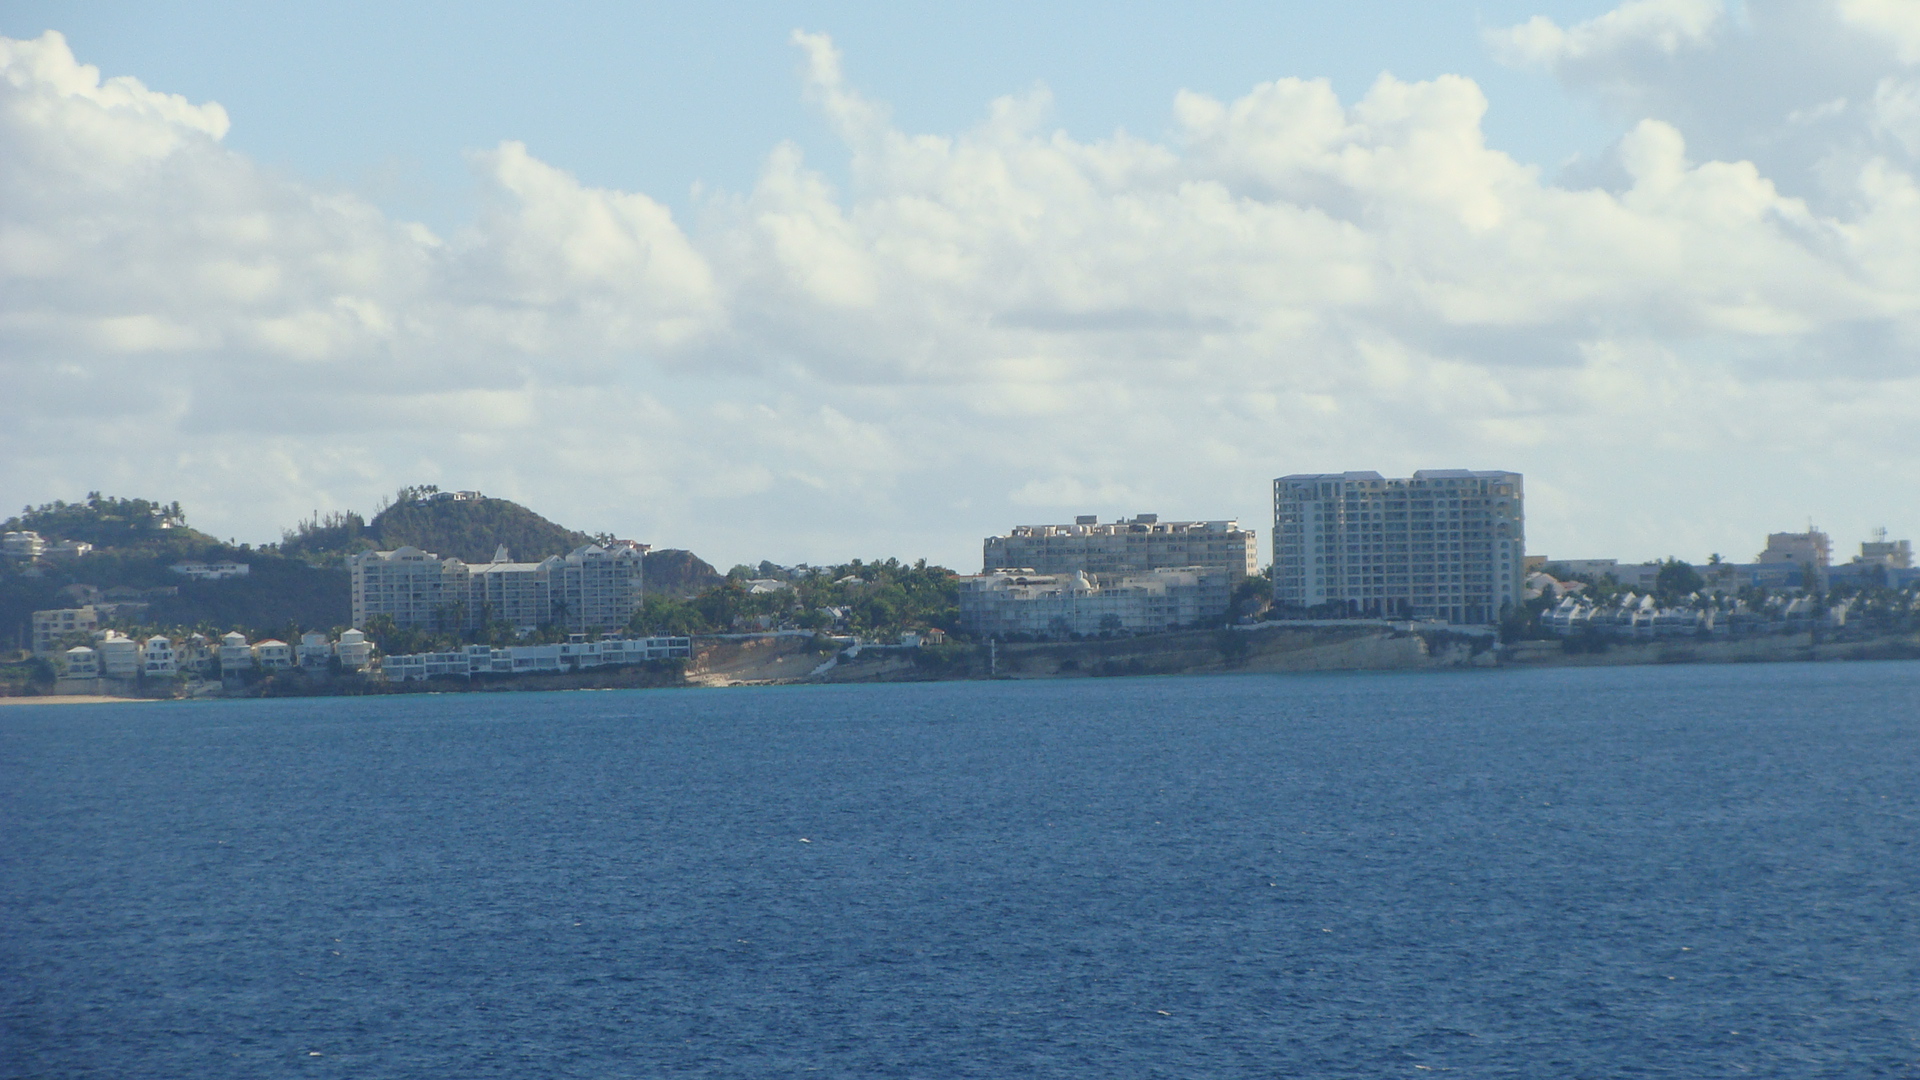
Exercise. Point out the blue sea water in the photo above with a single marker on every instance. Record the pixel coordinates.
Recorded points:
(1641, 872)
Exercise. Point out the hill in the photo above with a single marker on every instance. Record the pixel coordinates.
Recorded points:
(301, 582)
(135, 544)
(673, 572)
(470, 529)
(464, 526)
(109, 522)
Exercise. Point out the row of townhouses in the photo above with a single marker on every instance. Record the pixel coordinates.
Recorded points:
(1636, 616)
(113, 655)
(578, 654)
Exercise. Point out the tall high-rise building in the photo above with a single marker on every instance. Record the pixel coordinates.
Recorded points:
(1134, 545)
(1443, 544)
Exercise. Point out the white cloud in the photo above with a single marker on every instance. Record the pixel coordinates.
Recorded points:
(1662, 26)
(1896, 20)
(993, 324)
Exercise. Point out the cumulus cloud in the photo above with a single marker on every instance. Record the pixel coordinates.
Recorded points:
(1003, 323)
(1658, 26)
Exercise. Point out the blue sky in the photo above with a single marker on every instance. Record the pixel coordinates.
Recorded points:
(915, 275)
(386, 98)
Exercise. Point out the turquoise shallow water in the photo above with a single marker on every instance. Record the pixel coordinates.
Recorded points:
(1653, 872)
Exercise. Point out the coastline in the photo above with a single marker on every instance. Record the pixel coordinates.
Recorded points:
(1272, 648)
(73, 699)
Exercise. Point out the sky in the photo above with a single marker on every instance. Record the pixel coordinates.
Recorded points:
(809, 282)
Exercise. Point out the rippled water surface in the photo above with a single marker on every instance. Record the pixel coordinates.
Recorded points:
(1654, 872)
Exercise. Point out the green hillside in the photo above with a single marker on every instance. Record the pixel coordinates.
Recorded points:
(108, 522)
(467, 529)
(135, 543)
(470, 529)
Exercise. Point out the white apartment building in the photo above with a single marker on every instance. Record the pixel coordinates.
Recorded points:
(24, 546)
(1008, 602)
(1811, 548)
(517, 593)
(1444, 544)
(410, 586)
(50, 626)
(592, 588)
(1129, 546)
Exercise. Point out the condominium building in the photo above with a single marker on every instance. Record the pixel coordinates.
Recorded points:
(1811, 548)
(591, 588)
(51, 626)
(1006, 603)
(412, 587)
(1443, 544)
(1128, 546)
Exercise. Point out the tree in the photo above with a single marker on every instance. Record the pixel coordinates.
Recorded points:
(1677, 579)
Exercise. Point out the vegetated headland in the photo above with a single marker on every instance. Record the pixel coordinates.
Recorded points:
(131, 563)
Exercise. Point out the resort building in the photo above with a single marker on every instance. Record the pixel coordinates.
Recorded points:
(1005, 603)
(592, 588)
(575, 655)
(1134, 545)
(412, 587)
(1442, 544)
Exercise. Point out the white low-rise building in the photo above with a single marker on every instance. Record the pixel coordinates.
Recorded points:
(273, 655)
(576, 655)
(157, 657)
(81, 662)
(354, 650)
(119, 655)
(235, 654)
(200, 571)
(316, 650)
(23, 546)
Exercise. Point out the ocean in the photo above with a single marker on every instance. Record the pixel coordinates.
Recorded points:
(1685, 872)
